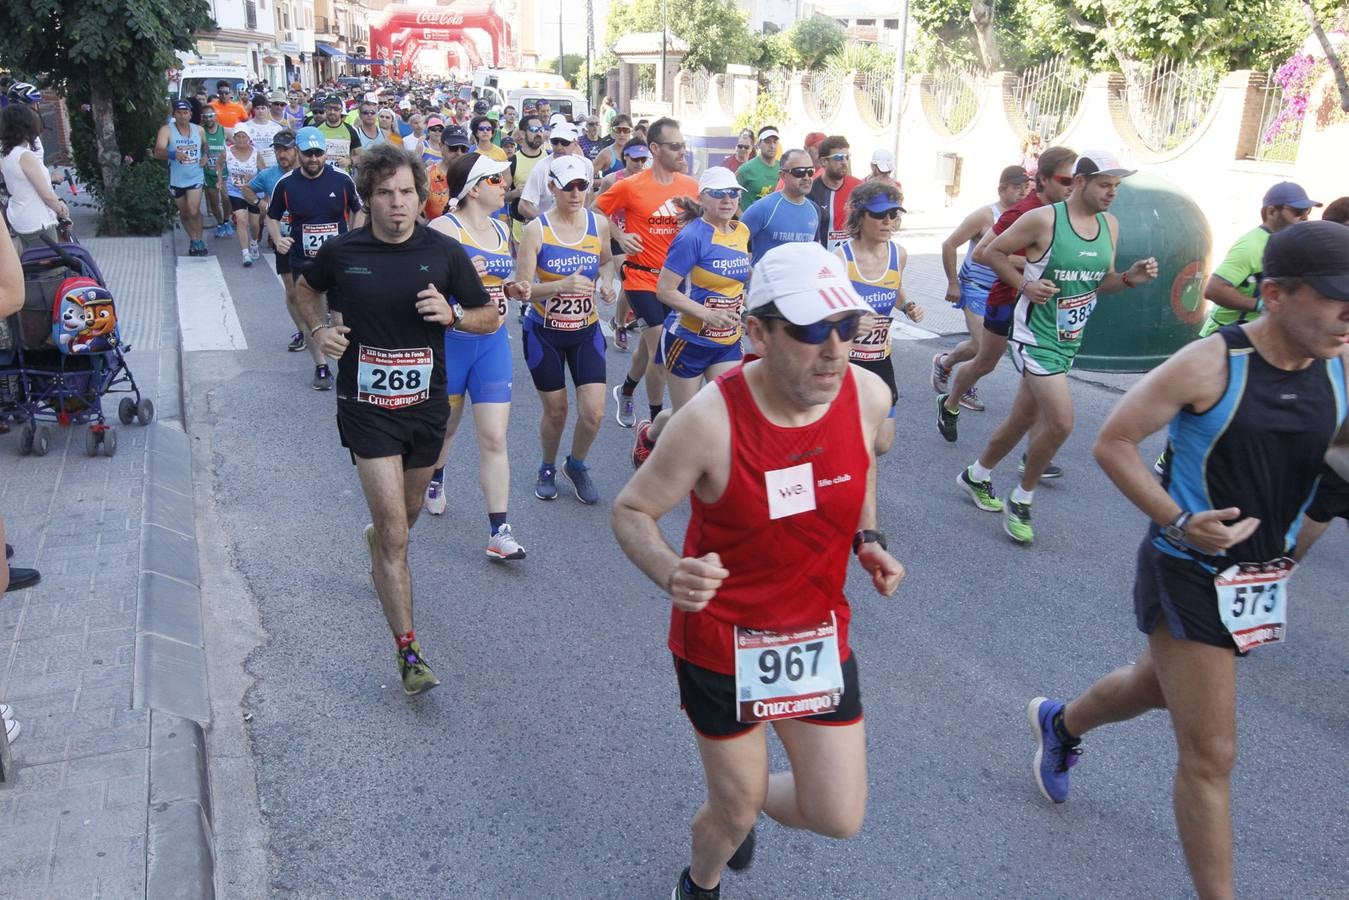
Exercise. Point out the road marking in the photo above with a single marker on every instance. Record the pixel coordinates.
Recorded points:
(903, 331)
(207, 319)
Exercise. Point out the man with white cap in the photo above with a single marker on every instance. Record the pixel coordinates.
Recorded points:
(777, 463)
(883, 168)
(703, 284)
(1070, 259)
(1251, 413)
(759, 175)
(536, 199)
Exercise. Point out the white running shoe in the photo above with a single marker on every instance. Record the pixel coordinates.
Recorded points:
(248, 259)
(253, 251)
(503, 545)
(436, 501)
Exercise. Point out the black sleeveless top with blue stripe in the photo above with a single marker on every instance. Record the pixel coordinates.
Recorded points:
(1260, 449)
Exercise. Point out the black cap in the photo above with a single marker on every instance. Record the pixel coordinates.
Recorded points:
(456, 136)
(333, 100)
(181, 104)
(1013, 175)
(1316, 252)
(284, 138)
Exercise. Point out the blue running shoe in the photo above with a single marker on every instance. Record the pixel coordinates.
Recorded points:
(546, 487)
(579, 476)
(1053, 756)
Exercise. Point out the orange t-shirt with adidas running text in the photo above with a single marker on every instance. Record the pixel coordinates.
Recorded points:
(652, 215)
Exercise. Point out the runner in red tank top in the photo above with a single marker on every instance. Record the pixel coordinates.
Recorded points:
(777, 462)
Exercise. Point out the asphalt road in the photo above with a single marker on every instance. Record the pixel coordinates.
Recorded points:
(554, 760)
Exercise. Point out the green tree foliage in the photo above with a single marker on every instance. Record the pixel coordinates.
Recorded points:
(816, 39)
(716, 31)
(573, 66)
(866, 59)
(112, 53)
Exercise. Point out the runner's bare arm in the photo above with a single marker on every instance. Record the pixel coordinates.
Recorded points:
(1217, 289)
(668, 292)
(162, 143)
(975, 224)
(607, 292)
(282, 244)
(313, 310)
(1033, 232)
(873, 397)
(1141, 272)
(1337, 457)
(1194, 378)
(693, 454)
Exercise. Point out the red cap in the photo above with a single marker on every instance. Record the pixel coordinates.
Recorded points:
(814, 138)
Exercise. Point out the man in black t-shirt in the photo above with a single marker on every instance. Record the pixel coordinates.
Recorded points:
(393, 288)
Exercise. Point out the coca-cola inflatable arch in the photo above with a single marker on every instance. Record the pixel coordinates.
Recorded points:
(399, 31)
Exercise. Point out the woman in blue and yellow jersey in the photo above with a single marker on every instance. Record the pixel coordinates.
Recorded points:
(876, 269)
(566, 253)
(479, 365)
(703, 285)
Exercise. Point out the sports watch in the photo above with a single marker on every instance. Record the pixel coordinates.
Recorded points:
(867, 536)
(458, 309)
(1175, 531)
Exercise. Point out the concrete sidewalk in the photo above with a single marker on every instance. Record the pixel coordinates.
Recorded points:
(102, 661)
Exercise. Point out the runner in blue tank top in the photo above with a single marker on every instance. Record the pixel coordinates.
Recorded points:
(1253, 411)
(183, 146)
(479, 365)
(567, 250)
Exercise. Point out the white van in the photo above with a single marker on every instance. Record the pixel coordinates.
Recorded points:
(194, 76)
(571, 104)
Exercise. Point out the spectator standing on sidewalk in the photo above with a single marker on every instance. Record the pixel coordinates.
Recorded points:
(33, 207)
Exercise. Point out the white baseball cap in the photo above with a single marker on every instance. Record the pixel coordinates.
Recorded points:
(563, 170)
(883, 160)
(564, 130)
(1100, 162)
(482, 167)
(555, 119)
(805, 282)
(718, 178)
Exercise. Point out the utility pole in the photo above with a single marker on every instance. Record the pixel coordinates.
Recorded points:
(590, 52)
(664, 35)
(560, 69)
(900, 83)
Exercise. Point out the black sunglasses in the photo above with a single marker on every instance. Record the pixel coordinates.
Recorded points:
(802, 172)
(890, 214)
(560, 142)
(818, 332)
(580, 184)
(312, 153)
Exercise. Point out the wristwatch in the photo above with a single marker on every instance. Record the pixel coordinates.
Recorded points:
(1175, 531)
(867, 536)
(458, 310)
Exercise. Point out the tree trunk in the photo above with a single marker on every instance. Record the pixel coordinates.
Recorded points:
(981, 16)
(1331, 56)
(105, 134)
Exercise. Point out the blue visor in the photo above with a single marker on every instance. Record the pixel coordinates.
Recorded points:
(882, 203)
(638, 152)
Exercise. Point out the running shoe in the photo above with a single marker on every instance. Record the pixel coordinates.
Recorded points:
(416, 674)
(21, 579)
(1053, 756)
(680, 894)
(503, 545)
(546, 487)
(1159, 467)
(1050, 473)
(436, 501)
(642, 445)
(940, 374)
(220, 231)
(253, 251)
(248, 259)
(970, 400)
(371, 545)
(229, 229)
(620, 335)
(297, 342)
(1017, 523)
(948, 422)
(323, 379)
(981, 492)
(624, 412)
(13, 729)
(579, 476)
(744, 854)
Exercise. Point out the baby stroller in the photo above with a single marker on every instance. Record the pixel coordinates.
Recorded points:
(63, 352)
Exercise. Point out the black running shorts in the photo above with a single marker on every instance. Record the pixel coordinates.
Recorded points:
(884, 368)
(1331, 500)
(415, 433)
(282, 263)
(1180, 593)
(708, 699)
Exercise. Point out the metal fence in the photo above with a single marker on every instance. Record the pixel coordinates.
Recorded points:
(646, 84)
(955, 91)
(1168, 100)
(879, 90)
(826, 93)
(1280, 125)
(699, 86)
(779, 83)
(1048, 96)
(726, 92)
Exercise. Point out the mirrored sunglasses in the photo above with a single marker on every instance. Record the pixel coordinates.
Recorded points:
(818, 332)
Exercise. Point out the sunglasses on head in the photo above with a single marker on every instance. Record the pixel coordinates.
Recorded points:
(890, 214)
(723, 193)
(817, 333)
(580, 184)
(802, 172)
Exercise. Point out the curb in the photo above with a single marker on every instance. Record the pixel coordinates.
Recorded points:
(170, 661)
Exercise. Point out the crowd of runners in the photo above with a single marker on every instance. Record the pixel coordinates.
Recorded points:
(760, 297)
